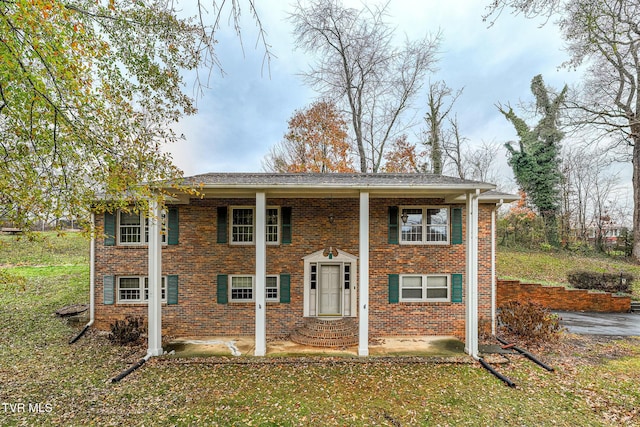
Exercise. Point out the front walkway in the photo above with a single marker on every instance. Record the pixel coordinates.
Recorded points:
(418, 346)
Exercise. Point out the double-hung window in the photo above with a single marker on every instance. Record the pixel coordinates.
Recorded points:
(242, 288)
(424, 225)
(133, 228)
(130, 227)
(273, 288)
(425, 287)
(136, 289)
(243, 225)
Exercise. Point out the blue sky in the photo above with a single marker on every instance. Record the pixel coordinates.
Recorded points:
(243, 114)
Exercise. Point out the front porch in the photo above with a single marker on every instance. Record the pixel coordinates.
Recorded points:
(447, 347)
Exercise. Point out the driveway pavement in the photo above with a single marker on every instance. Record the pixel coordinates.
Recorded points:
(619, 324)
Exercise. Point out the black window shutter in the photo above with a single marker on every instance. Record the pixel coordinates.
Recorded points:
(222, 224)
(172, 223)
(109, 291)
(394, 288)
(285, 288)
(223, 296)
(109, 229)
(456, 288)
(172, 289)
(456, 226)
(393, 225)
(286, 225)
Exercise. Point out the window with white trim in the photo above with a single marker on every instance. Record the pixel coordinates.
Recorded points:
(136, 289)
(424, 225)
(273, 225)
(130, 228)
(425, 287)
(242, 288)
(242, 225)
(273, 288)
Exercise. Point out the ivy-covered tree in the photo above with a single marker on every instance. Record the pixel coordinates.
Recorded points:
(536, 159)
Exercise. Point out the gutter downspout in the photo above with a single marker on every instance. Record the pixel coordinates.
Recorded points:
(131, 368)
(92, 271)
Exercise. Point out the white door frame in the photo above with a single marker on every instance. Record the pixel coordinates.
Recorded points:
(342, 258)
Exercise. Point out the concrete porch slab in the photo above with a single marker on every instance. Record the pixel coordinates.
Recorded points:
(423, 346)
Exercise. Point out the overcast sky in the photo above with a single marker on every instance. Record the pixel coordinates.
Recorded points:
(245, 112)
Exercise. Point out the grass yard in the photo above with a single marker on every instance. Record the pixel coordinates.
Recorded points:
(46, 381)
(551, 268)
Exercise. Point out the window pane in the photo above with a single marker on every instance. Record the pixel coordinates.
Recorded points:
(437, 293)
(411, 293)
(242, 288)
(437, 287)
(272, 225)
(129, 288)
(163, 289)
(412, 282)
(129, 218)
(437, 224)
(314, 276)
(437, 216)
(129, 227)
(347, 276)
(437, 282)
(163, 233)
(411, 287)
(412, 229)
(272, 287)
(242, 225)
(436, 234)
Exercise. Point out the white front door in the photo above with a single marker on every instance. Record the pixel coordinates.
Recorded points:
(329, 290)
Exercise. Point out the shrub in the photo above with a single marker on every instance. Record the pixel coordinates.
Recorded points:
(127, 331)
(607, 282)
(529, 321)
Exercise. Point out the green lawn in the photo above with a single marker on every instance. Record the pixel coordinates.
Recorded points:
(551, 267)
(595, 383)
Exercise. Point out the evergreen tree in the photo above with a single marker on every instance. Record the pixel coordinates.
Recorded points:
(535, 162)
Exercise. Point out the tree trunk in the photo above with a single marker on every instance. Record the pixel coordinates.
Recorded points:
(635, 133)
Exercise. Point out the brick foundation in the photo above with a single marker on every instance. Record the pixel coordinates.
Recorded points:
(561, 298)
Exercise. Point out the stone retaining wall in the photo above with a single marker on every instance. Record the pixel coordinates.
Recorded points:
(561, 298)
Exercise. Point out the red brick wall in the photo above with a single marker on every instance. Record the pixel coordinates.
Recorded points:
(198, 259)
(561, 298)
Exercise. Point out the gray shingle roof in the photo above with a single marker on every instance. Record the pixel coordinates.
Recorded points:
(334, 180)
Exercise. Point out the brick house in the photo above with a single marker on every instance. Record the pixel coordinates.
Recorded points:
(257, 254)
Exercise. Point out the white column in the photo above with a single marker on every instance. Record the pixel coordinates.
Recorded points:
(471, 324)
(494, 278)
(155, 280)
(260, 238)
(493, 270)
(363, 330)
(92, 271)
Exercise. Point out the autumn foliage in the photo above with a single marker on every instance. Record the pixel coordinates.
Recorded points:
(316, 141)
(403, 157)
